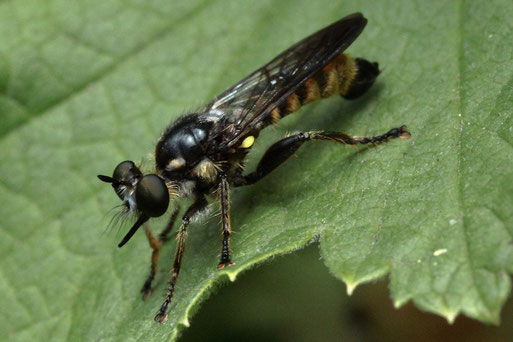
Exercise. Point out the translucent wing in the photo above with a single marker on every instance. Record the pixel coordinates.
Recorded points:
(250, 101)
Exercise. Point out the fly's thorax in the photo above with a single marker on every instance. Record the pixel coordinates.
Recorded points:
(182, 146)
(207, 171)
(186, 188)
(193, 148)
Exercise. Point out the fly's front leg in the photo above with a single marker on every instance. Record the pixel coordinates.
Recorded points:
(164, 234)
(155, 246)
(199, 205)
(224, 199)
(283, 149)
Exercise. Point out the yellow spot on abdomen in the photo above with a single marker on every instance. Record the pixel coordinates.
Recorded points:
(248, 142)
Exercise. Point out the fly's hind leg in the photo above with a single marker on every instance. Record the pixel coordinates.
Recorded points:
(155, 246)
(283, 149)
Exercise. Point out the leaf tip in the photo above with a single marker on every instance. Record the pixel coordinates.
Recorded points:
(232, 276)
(350, 287)
(450, 316)
(399, 302)
(186, 322)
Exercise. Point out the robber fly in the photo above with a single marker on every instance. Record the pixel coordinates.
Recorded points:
(202, 154)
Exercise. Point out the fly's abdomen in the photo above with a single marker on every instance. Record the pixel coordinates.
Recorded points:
(344, 75)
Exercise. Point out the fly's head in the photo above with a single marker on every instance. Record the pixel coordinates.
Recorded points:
(145, 195)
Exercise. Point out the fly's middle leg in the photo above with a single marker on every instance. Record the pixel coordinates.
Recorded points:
(224, 199)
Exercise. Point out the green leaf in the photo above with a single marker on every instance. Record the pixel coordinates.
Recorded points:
(85, 85)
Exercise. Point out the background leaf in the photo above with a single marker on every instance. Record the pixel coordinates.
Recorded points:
(84, 85)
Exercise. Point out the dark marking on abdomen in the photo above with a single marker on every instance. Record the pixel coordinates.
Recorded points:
(344, 75)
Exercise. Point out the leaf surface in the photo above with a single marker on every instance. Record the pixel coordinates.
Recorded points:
(85, 85)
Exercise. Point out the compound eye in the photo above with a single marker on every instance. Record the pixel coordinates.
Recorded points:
(126, 171)
(152, 196)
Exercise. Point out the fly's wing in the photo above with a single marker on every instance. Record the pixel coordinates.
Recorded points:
(256, 95)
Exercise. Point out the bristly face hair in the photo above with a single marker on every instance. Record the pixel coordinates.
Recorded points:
(202, 154)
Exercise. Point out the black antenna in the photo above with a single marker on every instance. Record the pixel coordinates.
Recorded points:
(105, 179)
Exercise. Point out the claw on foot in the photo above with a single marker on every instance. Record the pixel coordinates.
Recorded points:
(161, 318)
(146, 293)
(222, 264)
(403, 132)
